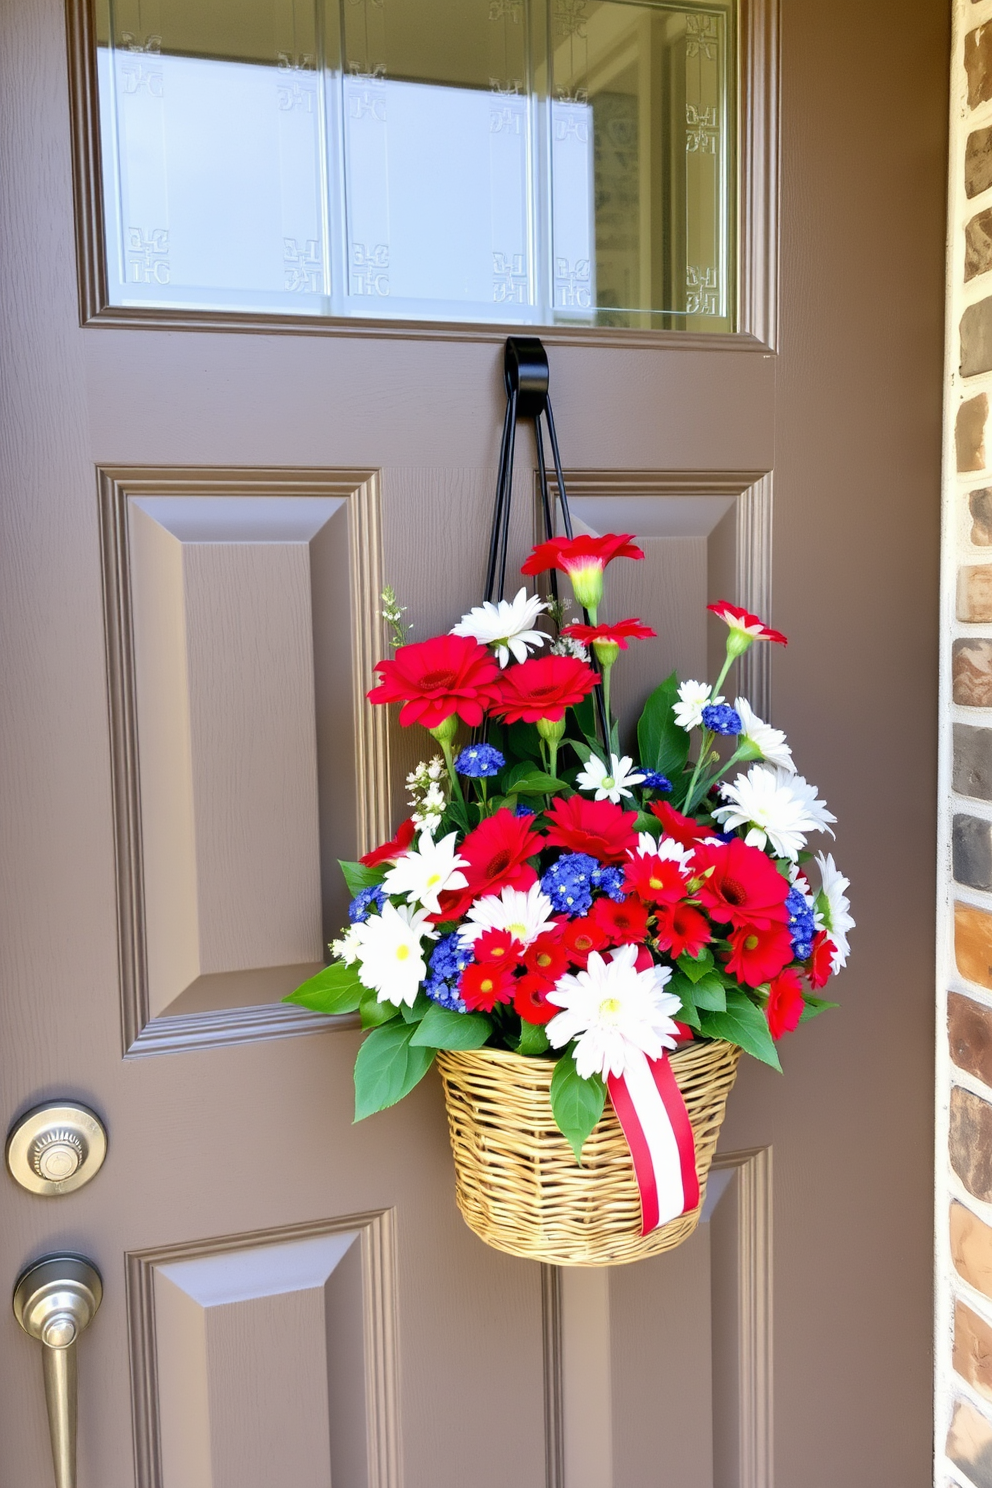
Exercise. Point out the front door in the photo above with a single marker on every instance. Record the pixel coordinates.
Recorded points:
(205, 498)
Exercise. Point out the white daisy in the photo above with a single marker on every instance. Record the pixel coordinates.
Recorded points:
(427, 871)
(391, 955)
(506, 626)
(694, 697)
(769, 742)
(612, 1010)
(833, 907)
(609, 784)
(348, 948)
(779, 808)
(525, 915)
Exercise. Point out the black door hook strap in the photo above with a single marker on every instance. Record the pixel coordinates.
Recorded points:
(525, 373)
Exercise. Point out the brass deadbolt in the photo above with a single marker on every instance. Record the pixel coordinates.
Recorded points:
(55, 1149)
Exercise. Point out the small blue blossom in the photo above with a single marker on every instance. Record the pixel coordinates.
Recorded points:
(568, 883)
(364, 902)
(610, 880)
(654, 781)
(802, 927)
(449, 958)
(525, 811)
(478, 760)
(722, 719)
(445, 995)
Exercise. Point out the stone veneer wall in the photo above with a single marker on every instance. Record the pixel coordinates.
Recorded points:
(964, 1116)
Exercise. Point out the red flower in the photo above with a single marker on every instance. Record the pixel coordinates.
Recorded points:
(483, 986)
(581, 936)
(495, 854)
(743, 887)
(625, 923)
(655, 880)
(748, 624)
(785, 1002)
(395, 848)
(543, 688)
(433, 679)
(681, 928)
(496, 947)
(617, 635)
(758, 953)
(583, 559)
(530, 998)
(820, 966)
(599, 828)
(684, 829)
(546, 956)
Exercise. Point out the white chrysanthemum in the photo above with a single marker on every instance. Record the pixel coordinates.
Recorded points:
(609, 783)
(391, 959)
(778, 807)
(769, 742)
(424, 873)
(525, 915)
(693, 698)
(833, 907)
(348, 948)
(506, 626)
(612, 1009)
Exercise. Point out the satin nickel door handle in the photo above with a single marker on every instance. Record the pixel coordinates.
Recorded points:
(54, 1301)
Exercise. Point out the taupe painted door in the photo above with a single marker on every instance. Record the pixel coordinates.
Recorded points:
(196, 522)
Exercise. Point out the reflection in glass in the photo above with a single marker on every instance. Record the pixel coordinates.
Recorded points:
(511, 161)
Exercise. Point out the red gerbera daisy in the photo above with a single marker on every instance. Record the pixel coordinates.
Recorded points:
(581, 936)
(546, 956)
(785, 1002)
(497, 947)
(819, 967)
(617, 634)
(436, 678)
(625, 923)
(655, 880)
(599, 828)
(484, 985)
(389, 851)
(684, 829)
(682, 929)
(495, 854)
(543, 688)
(583, 559)
(530, 998)
(746, 624)
(743, 887)
(758, 953)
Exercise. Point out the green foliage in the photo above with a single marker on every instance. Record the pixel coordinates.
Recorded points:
(685, 992)
(421, 1003)
(388, 1067)
(815, 1006)
(584, 714)
(373, 1012)
(710, 993)
(663, 746)
(696, 967)
(334, 990)
(357, 876)
(745, 1025)
(533, 1039)
(648, 822)
(441, 1028)
(524, 780)
(576, 1104)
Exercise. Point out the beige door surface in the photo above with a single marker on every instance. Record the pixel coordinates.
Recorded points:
(195, 525)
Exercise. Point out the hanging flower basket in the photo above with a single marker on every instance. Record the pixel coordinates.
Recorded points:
(517, 1182)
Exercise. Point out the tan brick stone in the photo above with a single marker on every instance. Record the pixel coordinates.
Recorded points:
(969, 1444)
(969, 1032)
(971, 672)
(978, 64)
(973, 1349)
(970, 1142)
(975, 593)
(976, 339)
(978, 245)
(973, 943)
(969, 433)
(971, 1248)
(978, 162)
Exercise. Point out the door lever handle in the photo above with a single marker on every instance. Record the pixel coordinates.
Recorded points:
(54, 1300)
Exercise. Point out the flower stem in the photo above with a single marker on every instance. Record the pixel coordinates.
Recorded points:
(704, 749)
(456, 789)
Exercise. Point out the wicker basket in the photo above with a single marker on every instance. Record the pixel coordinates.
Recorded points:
(517, 1183)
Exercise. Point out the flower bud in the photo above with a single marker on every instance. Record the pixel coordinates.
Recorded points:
(445, 730)
(606, 653)
(551, 730)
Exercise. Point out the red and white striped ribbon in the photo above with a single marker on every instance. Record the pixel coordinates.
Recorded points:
(655, 1122)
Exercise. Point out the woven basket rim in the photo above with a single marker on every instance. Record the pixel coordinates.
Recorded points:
(510, 1058)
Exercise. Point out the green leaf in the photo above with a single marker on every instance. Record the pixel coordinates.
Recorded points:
(334, 990)
(685, 992)
(373, 1012)
(441, 1028)
(522, 742)
(576, 1104)
(537, 783)
(533, 1040)
(585, 716)
(583, 751)
(357, 876)
(387, 1068)
(662, 745)
(814, 1006)
(696, 967)
(648, 822)
(710, 993)
(745, 1025)
(421, 1003)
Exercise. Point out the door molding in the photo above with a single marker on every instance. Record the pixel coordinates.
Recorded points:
(143, 1033)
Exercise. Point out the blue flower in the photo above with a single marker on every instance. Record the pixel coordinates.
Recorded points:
(478, 760)
(449, 958)
(364, 901)
(569, 882)
(802, 926)
(445, 995)
(525, 811)
(653, 781)
(722, 719)
(610, 880)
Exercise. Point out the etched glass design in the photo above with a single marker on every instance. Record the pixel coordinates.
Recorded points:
(520, 162)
